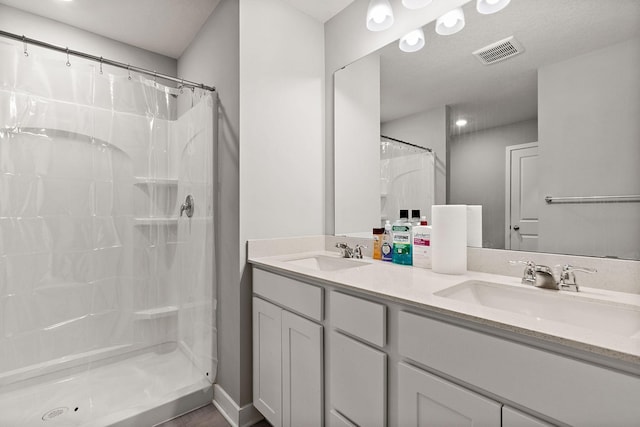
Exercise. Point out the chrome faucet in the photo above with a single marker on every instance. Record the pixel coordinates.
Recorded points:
(542, 276)
(347, 252)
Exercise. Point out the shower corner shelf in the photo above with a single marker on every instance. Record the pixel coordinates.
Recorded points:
(143, 180)
(155, 221)
(155, 313)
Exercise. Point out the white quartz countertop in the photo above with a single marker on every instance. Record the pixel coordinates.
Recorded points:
(416, 287)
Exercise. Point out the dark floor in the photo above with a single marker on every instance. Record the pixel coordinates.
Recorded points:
(207, 416)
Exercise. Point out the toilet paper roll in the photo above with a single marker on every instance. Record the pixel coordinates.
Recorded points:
(449, 239)
(474, 226)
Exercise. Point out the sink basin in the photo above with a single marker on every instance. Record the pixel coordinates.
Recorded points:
(326, 263)
(541, 304)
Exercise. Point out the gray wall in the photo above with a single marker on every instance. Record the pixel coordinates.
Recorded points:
(427, 129)
(270, 146)
(54, 32)
(477, 173)
(589, 110)
(213, 58)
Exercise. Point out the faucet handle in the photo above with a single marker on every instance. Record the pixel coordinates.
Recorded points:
(345, 250)
(568, 277)
(357, 251)
(529, 274)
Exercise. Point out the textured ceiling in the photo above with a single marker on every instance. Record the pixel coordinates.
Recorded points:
(162, 26)
(446, 73)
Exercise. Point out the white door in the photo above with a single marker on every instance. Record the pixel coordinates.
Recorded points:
(267, 360)
(301, 372)
(522, 198)
(425, 400)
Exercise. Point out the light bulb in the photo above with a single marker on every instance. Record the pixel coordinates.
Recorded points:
(379, 15)
(415, 4)
(450, 23)
(491, 6)
(412, 41)
(461, 122)
(412, 38)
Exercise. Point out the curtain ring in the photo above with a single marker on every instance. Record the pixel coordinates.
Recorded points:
(182, 86)
(101, 65)
(24, 41)
(68, 64)
(155, 75)
(129, 71)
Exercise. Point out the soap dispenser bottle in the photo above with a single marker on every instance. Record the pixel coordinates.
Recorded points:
(387, 243)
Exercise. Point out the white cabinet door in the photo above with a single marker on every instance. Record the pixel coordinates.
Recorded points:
(425, 400)
(301, 372)
(358, 381)
(514, 418)
(267, 360)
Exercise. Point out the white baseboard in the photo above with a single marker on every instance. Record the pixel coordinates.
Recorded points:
(235, 415)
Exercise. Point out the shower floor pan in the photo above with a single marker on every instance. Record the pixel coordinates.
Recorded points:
(139, 391)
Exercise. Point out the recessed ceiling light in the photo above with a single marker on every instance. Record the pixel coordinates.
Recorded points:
(461, 122)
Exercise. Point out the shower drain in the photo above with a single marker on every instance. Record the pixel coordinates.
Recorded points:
(54, 413)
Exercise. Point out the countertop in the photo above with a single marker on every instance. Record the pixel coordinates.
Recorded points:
(415, 287)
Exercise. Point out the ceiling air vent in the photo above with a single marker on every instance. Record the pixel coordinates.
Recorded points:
(499, 51)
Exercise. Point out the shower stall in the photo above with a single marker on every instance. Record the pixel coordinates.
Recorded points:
(407, 178)
(107, 275)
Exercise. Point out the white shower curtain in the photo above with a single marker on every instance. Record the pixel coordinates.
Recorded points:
(96, 264)
(407, 180)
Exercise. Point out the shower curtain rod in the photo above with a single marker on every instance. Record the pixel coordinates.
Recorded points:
(102, 60)
(407, 143)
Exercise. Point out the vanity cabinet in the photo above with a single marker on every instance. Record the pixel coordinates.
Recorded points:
(562, 388)
(287, 353)
(384, 362)
(358, 369)
(427, 400)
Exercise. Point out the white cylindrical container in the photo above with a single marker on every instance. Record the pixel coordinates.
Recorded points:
(449, 239)
(474, 226)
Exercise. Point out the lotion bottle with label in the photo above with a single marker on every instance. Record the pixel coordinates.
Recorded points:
(422, 244)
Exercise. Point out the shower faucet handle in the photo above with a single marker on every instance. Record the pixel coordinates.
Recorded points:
(188, 206)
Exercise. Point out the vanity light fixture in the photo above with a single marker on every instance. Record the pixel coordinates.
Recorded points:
(461, 122)
(412, 41)
(379, 15)
(491, 6)
(450, 23)
(415, 4)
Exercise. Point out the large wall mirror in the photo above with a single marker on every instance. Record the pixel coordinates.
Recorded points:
(551, 144)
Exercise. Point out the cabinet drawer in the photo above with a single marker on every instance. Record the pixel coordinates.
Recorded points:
(358, 381)
(515, 418)
(427, 400)
(558, 386)
(297, 296)
(358, 317)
